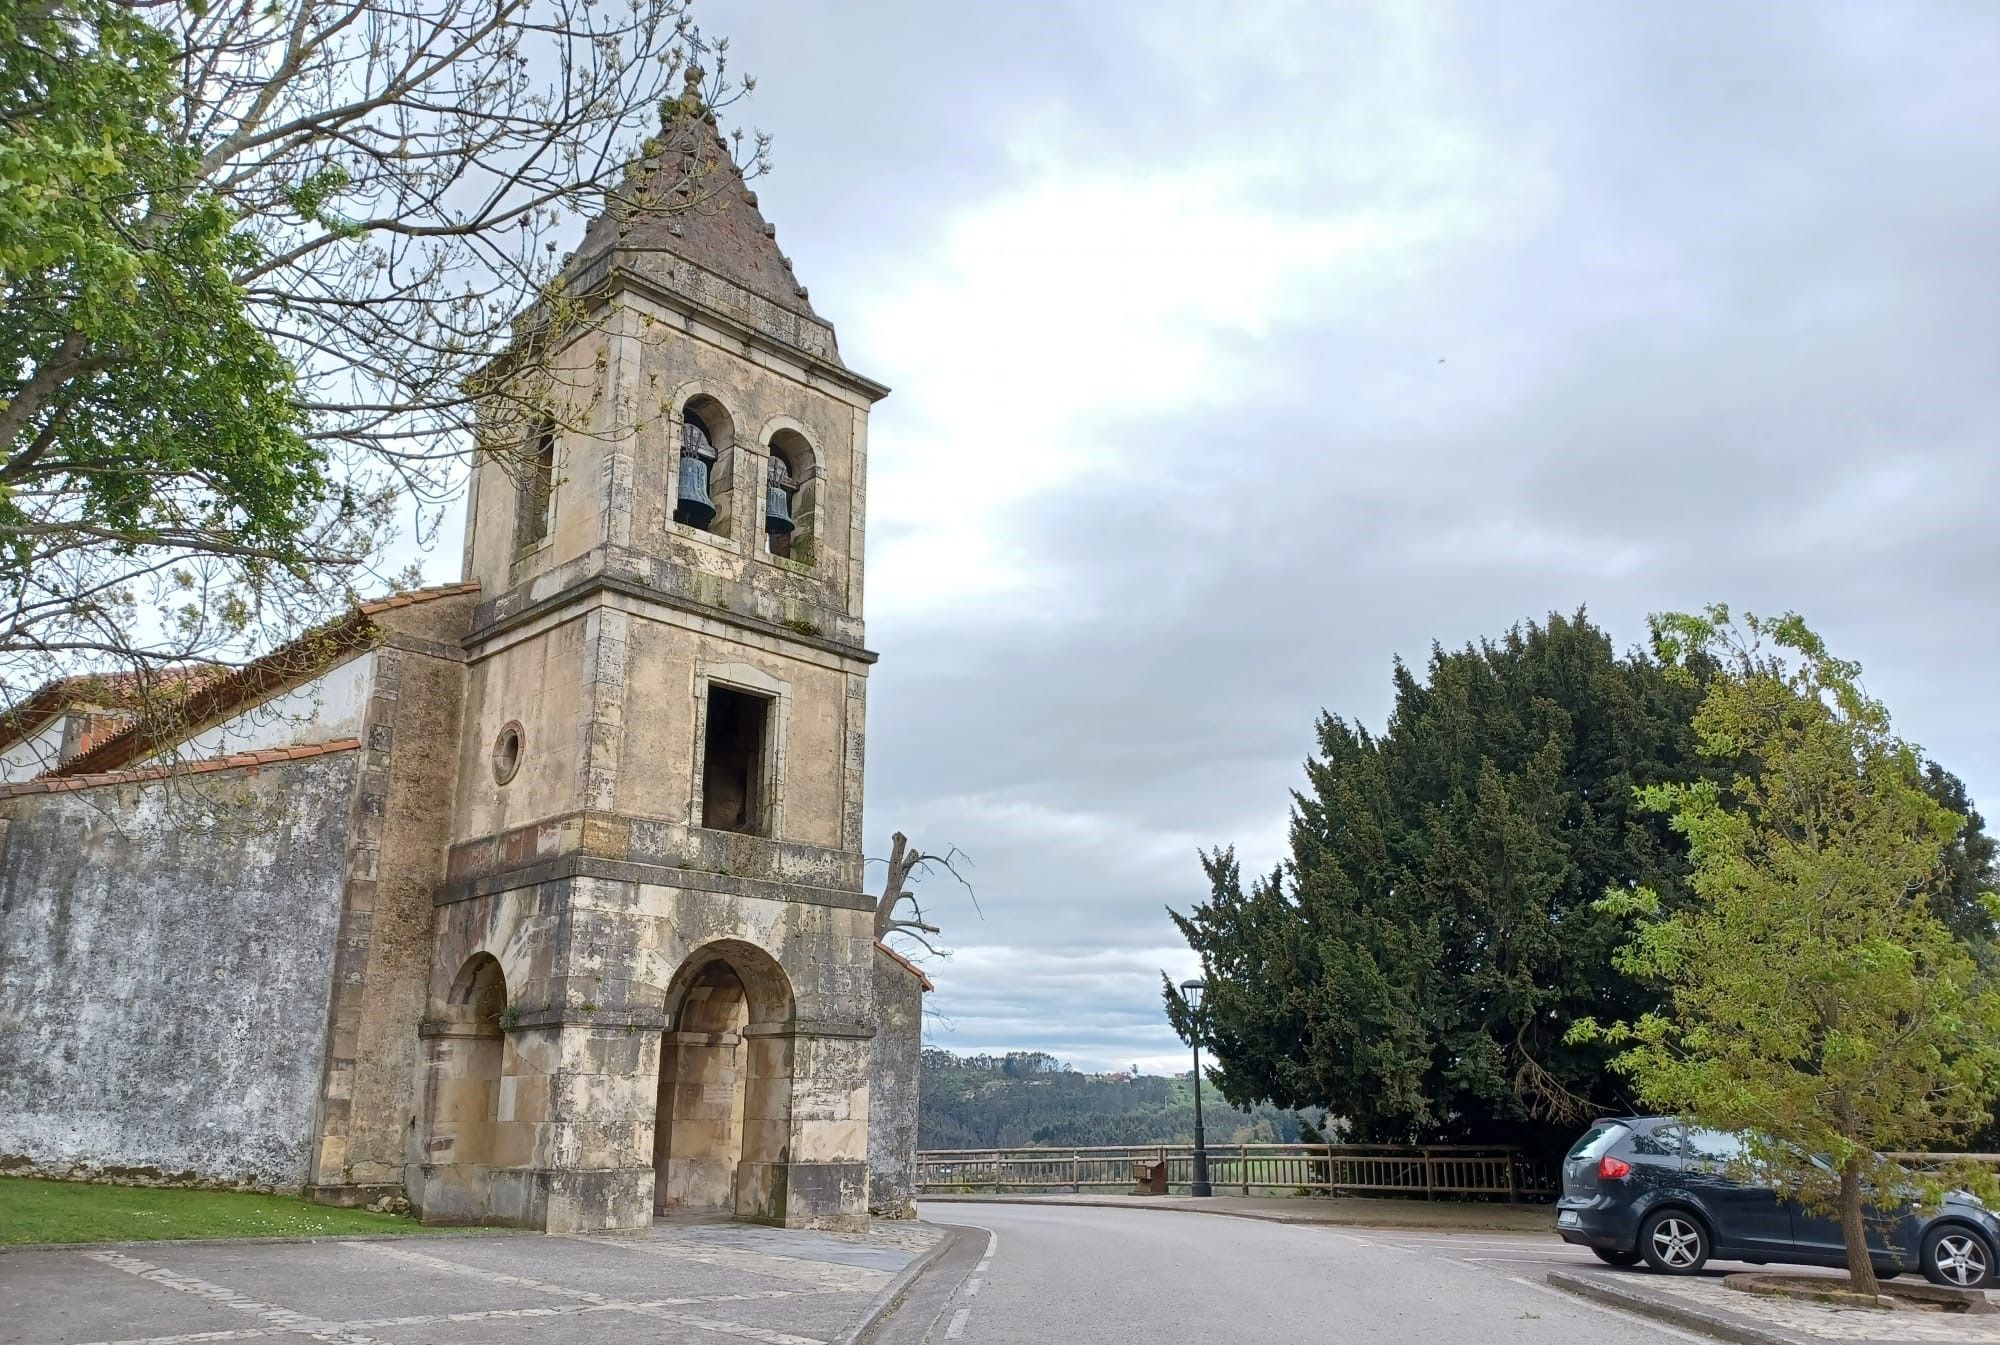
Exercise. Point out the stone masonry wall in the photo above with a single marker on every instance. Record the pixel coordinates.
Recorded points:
(395, 860)
(892, 1089)
(166, 949)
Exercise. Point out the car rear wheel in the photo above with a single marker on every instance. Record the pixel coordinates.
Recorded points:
(1674, 1243)
(1957, 1256)
(1612, 1258)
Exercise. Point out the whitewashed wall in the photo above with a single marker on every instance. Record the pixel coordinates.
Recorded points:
(330, 706)
(31, 756)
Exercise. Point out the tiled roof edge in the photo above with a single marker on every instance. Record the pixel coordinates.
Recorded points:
(282, 668)
(906, 964)
(266, 756)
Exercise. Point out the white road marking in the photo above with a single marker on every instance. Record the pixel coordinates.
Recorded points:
(282, 1319)
(196, 1337)
(773, 1264)
(757, 1333)
(963, 1315)
(693, 1300)
(460, 1318)
(1576, 1300)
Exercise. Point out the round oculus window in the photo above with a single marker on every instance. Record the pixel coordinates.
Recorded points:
(507, 753)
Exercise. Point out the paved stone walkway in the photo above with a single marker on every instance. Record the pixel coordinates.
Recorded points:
(1820, 1321)
(681, 1282)
(1792, 1320)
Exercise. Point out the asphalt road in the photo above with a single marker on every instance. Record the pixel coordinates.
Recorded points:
(1055, 1273)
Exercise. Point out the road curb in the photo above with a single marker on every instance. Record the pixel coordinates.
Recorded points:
(898, 1291)
(1260, 1216)
(1675, 1312)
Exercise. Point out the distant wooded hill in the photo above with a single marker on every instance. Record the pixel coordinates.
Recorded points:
(1029, 1097)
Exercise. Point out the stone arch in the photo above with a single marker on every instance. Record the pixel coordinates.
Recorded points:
(787, 441)
(723, 1129)
(467, 1063)
(480, 988)
(695, 401)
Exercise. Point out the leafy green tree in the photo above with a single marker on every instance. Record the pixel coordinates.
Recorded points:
(1413, 964)
(253, 260)
(1814, 997)
(139, 405)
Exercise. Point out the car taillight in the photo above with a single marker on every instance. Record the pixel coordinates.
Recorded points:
(1609, 1167)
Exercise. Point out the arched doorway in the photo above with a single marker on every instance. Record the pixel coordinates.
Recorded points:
(724, 1121)
(468, 1057)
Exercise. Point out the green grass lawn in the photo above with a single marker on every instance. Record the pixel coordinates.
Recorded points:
(32, 1210)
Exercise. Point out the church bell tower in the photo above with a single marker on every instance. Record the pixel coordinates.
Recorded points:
(651, 985)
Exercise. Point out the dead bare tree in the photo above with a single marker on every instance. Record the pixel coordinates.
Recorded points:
(906, 863)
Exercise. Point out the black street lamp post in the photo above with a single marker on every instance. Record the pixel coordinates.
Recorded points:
(1191, 993)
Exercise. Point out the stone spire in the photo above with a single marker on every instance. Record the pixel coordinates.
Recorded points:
(685, 196)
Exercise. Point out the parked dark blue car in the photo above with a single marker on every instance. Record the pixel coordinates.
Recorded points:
(1654, 1189)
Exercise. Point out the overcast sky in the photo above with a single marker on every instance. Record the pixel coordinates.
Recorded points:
(1240, 348)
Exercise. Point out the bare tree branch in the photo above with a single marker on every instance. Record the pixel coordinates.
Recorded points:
(906, 863)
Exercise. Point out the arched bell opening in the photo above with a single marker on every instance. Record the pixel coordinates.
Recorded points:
(725, 1085)
(791, 497)
(704, 472)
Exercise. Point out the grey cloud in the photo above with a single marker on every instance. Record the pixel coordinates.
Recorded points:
(1733, 339)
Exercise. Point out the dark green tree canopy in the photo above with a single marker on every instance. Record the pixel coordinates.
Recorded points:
(1415, 961)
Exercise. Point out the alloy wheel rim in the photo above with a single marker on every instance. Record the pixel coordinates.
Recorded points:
(1961, 1259)
(1676, 1242)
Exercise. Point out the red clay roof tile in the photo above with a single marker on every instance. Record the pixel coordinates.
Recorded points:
(906, 964)
(236, 760)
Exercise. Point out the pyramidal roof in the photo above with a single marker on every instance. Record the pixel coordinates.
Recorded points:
(685, 196)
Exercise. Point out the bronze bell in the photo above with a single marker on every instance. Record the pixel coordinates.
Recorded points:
(695, 507)
(778, 498)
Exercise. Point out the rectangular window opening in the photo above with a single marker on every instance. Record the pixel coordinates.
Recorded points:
(732, 766)
(537, 489)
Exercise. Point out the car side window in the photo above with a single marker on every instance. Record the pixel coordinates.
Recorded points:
(1659, 1142)
(1714, 1150)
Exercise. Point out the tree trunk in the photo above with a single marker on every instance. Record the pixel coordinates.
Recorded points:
(892, 886)
(1854, 1230)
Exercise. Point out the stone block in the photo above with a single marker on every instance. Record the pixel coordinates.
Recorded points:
(598, 1201)
(768, 1140)
(524, 1098)
(842, 1142)
(512, 1144)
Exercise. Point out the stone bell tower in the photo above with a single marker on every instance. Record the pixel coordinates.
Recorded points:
(650, 989)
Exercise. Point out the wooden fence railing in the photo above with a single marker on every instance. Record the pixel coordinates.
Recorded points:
(1429, 1172)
